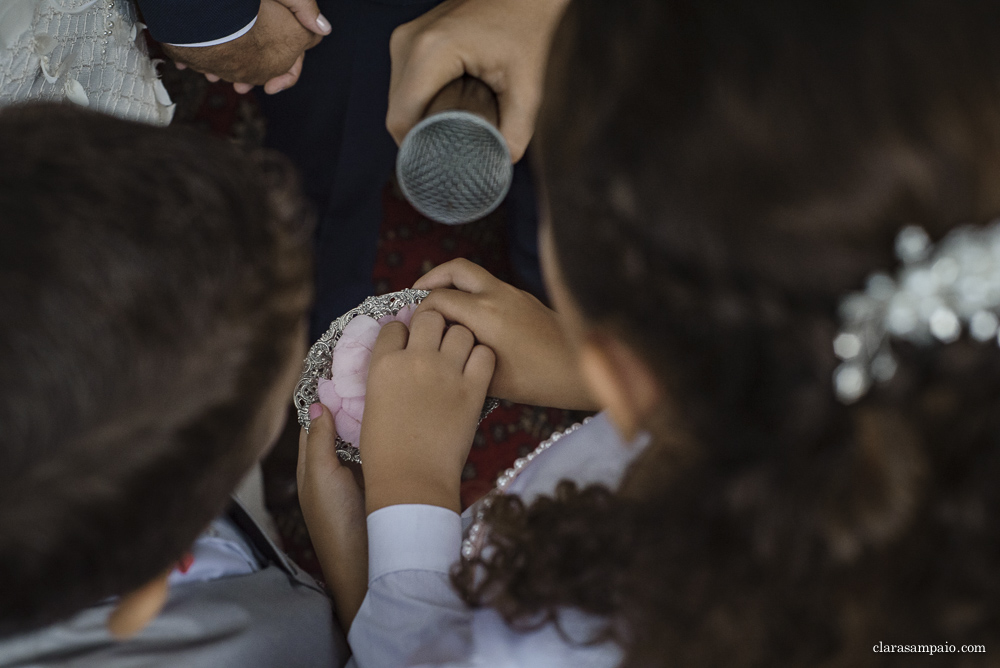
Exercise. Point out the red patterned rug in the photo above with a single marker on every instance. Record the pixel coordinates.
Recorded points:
(409, 246)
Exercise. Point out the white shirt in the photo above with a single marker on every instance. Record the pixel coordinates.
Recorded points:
(221, 551)
(412, 616)
(222, 40)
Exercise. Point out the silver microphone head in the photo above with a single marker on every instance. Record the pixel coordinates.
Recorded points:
(454, 167)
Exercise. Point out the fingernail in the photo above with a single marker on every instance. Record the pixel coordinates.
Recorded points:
(315, 411)
(323, 24)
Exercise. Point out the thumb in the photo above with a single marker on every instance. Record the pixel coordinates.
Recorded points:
(459, 273)
(317, 447)
(307, 12)
(455, 306)
(518, 111)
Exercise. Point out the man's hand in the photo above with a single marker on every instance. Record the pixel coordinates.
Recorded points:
(333, 505)
(270, 54)
(535, 363)
(426, 388)
(503, 42)
(307, 13)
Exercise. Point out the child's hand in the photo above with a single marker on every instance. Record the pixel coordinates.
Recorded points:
(426, 388)
(535, 363)
(333, 505)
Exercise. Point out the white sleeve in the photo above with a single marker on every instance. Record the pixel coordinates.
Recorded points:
(411, 613)
(222, 40)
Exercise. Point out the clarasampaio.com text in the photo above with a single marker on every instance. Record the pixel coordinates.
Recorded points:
(929, 649)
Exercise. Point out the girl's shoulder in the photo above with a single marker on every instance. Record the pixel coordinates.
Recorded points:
(592, 453)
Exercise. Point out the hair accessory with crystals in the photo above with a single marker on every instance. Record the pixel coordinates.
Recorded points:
(938, 290)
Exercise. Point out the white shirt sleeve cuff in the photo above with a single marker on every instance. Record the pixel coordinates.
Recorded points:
(222, 40)
(412, 537)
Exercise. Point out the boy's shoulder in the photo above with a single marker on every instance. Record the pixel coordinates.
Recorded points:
(277, 615)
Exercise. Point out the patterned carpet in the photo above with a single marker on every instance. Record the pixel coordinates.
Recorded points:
(409, 246)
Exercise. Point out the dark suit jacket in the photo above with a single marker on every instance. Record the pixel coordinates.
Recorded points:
(196, 21)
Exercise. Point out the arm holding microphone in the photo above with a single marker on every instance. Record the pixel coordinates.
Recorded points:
(505, 43)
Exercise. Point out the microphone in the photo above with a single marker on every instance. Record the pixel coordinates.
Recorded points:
(454, 166)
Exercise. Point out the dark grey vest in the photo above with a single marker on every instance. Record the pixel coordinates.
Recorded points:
(278, 616)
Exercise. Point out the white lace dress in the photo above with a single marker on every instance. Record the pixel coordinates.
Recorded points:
(89, 52)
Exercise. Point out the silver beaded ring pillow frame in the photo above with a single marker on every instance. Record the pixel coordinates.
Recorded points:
(89, 52)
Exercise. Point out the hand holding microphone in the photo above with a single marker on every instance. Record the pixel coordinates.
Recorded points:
(504, 44)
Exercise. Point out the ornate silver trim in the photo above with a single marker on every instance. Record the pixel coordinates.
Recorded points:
(320, 358)
(473, 544)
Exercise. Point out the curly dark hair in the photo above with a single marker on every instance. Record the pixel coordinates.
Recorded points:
(735, 169)
(153, 288)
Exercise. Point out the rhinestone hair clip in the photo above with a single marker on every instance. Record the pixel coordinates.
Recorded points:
(938, 291)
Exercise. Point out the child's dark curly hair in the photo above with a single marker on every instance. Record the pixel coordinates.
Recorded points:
(720, 175)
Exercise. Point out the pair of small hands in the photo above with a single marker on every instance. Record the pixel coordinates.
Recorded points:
(503, 42)
(426, 388)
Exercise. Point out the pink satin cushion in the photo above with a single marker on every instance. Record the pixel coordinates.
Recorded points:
(344, 393)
